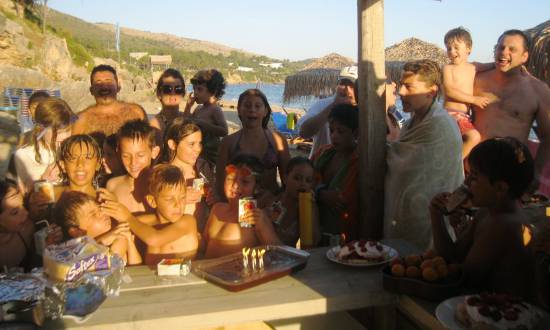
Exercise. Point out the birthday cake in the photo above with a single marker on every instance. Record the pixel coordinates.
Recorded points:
(498, 311)
(364, 251)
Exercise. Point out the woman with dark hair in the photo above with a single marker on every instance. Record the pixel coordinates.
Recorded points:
(255, 139)
(183, 146)
(170, 92)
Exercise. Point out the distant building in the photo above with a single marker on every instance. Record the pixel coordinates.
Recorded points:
(138, 55)
(273, 65)
(159, 63)
(245, 69)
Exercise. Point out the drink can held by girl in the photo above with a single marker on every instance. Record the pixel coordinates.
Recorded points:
(245, 204)
(46, 188)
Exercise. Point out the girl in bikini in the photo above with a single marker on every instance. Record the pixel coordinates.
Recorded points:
(223, 234)
(257, 140)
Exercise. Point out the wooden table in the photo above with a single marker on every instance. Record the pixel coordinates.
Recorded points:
(322, 287)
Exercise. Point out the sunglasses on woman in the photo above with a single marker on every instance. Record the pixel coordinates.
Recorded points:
(168, 89)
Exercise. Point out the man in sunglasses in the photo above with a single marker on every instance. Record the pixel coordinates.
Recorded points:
(108, 114)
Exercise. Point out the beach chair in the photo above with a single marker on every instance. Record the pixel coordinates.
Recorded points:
(17, 100)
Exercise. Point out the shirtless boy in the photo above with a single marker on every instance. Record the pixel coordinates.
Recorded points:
(137, 149)
(491, 247)
(517, 99)
(169, 233)
(108, 114)
(458, 82)
(208, 88)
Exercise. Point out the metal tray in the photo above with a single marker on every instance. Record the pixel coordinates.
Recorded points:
(229, 273)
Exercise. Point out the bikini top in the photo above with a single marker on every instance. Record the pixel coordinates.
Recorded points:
(269, 159)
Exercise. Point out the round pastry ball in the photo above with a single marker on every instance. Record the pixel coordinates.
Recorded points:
(438, 261)
(426, 264)
(442, 271)
(413, 272)
(398, 270)
(413, 260)
(430, 274)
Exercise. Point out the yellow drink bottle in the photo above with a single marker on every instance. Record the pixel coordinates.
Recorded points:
(305, 201)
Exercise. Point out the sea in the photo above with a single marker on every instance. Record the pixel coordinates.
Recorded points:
(273, 92)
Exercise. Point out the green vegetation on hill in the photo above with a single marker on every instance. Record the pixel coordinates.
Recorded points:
(86, 40)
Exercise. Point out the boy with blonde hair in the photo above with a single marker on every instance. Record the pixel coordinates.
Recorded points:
(169, 233)
(458, 84)
(137, 149)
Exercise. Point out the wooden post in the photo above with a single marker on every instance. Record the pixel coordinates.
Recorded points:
(372, 126)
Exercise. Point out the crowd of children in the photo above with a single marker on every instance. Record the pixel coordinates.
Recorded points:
(171, 187)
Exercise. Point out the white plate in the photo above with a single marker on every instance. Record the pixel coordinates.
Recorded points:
(332, 255)
(445, 313)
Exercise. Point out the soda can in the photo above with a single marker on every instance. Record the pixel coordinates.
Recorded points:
(245, 204)
(198, 183)
(46, 188)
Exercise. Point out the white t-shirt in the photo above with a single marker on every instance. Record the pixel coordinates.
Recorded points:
(27, 168)
(322, 137)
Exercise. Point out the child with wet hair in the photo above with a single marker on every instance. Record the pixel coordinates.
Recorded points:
(78, 214)
(79, 159)
(169, 232)
(223, 233)
(491, 247)
(208, 88)
(138, 150)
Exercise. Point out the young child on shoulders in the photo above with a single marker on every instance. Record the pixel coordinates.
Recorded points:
(208, 88)
(223, 234)
(491, 246)
(137, 148)
(284, 211)
(79, 159)
(16, 228)
(169, 233)
(79, 214)
(337, 175)
(458, 84)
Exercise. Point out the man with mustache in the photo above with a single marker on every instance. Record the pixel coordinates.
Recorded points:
(516, 99)
(108, 114)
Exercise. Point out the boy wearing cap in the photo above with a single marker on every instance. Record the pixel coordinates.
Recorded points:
(314, 124)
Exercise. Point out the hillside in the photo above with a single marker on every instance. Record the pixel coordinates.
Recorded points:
(86, 40)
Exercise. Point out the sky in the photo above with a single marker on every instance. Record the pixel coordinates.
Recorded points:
(300, 29)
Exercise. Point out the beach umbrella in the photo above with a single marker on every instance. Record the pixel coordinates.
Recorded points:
(539, 51)
(321, 82)
(310, 83)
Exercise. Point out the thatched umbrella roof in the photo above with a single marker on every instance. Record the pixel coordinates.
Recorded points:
(310, 83)
(410, 50)
(321, 82)
(330, 61)
(539, 52)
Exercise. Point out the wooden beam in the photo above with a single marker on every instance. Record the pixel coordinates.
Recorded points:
(372, 126)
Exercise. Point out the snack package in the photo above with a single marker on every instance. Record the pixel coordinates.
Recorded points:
(70, 260)
(173, 267)
(83, 296)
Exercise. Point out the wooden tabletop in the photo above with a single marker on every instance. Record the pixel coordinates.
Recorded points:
(150, 302)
